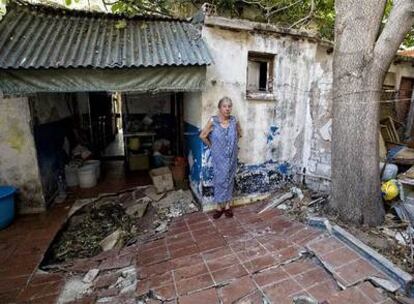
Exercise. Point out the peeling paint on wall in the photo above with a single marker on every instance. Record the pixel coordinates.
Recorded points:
(283, 131)
(18, 158)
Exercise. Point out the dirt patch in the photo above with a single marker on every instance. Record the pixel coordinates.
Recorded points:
(115, 221)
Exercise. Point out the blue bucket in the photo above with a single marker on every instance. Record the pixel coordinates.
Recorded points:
(6, 205)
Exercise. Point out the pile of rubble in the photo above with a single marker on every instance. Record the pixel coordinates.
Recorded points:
(117, 220)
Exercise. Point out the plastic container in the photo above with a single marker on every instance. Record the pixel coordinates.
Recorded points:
(97, 165)
(162, 179)
(179, 170)
(87, 176)
(71, 176)
(390, 171)
(6, 205)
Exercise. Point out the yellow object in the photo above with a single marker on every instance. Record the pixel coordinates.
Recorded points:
(389, 190)
(134, 143)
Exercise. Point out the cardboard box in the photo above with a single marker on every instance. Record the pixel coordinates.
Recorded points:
(162, 179)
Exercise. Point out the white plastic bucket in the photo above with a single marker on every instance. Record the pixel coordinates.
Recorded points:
(87, 176)
(97, 165)
(71, 176)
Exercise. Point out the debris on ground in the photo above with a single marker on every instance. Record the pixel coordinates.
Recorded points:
(393, 239)
(117, 220)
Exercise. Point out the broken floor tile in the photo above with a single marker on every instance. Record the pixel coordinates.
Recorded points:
(106, 280)
(355, 271)
(350, 295)
(205, 296)
(270, 276)
(116, 263)
(237, 290)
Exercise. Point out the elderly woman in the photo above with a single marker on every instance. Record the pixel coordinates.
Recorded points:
(221, 134)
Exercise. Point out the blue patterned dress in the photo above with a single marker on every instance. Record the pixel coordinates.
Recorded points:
(224, 157)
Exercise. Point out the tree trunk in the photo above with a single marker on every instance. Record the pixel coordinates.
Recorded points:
(361, 59)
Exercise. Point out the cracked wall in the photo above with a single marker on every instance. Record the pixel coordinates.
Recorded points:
(280, 132)
(18, 158)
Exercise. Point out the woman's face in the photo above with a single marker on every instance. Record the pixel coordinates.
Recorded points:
(225, 108)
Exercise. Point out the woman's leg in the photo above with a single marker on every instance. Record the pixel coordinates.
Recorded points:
(219, 210)
(227, 210)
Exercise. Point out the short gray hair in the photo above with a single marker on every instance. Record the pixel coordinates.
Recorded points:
(224, 99)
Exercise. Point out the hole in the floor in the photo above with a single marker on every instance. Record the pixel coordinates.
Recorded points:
(115, 221)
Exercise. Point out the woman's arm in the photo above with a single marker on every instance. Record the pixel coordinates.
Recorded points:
(206, 132)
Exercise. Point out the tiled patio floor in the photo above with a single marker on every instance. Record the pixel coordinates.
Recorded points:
(201, 260)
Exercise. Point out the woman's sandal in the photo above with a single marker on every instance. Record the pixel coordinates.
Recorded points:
(228, 212)
(218, 214)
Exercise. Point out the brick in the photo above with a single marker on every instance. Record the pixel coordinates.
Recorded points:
(349, 295)
(375, 294)
(282, 290)
(355, 271)
(156, 281)
(270, 276)
(259, 263)
(155, 269)
(186, 261)
(181, 244)
(245, 245)
(194, 284)
(208, 296)
(217, 253)
(299, 267)
(340, 257)
(185, 251)
(325, 245)
(222, 262)
(9, 284)
(311, 277)
(237, 290)
(229, 273)
(166, 292)
(323, 290)
(277, 244)
(288, 253)
(179, 237)
(252, 253)
(210, 244)
(190, 271)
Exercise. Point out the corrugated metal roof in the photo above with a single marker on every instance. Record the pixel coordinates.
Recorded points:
(35, 38)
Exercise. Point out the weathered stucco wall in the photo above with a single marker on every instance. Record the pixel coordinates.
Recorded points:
(18, 159)
(193, 145)
(281, 136)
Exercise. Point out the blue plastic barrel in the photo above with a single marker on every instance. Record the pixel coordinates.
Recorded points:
(6, 205)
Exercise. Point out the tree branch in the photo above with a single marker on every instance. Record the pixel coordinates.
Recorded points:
(399, 23)
(283, 8)
(307, 17)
